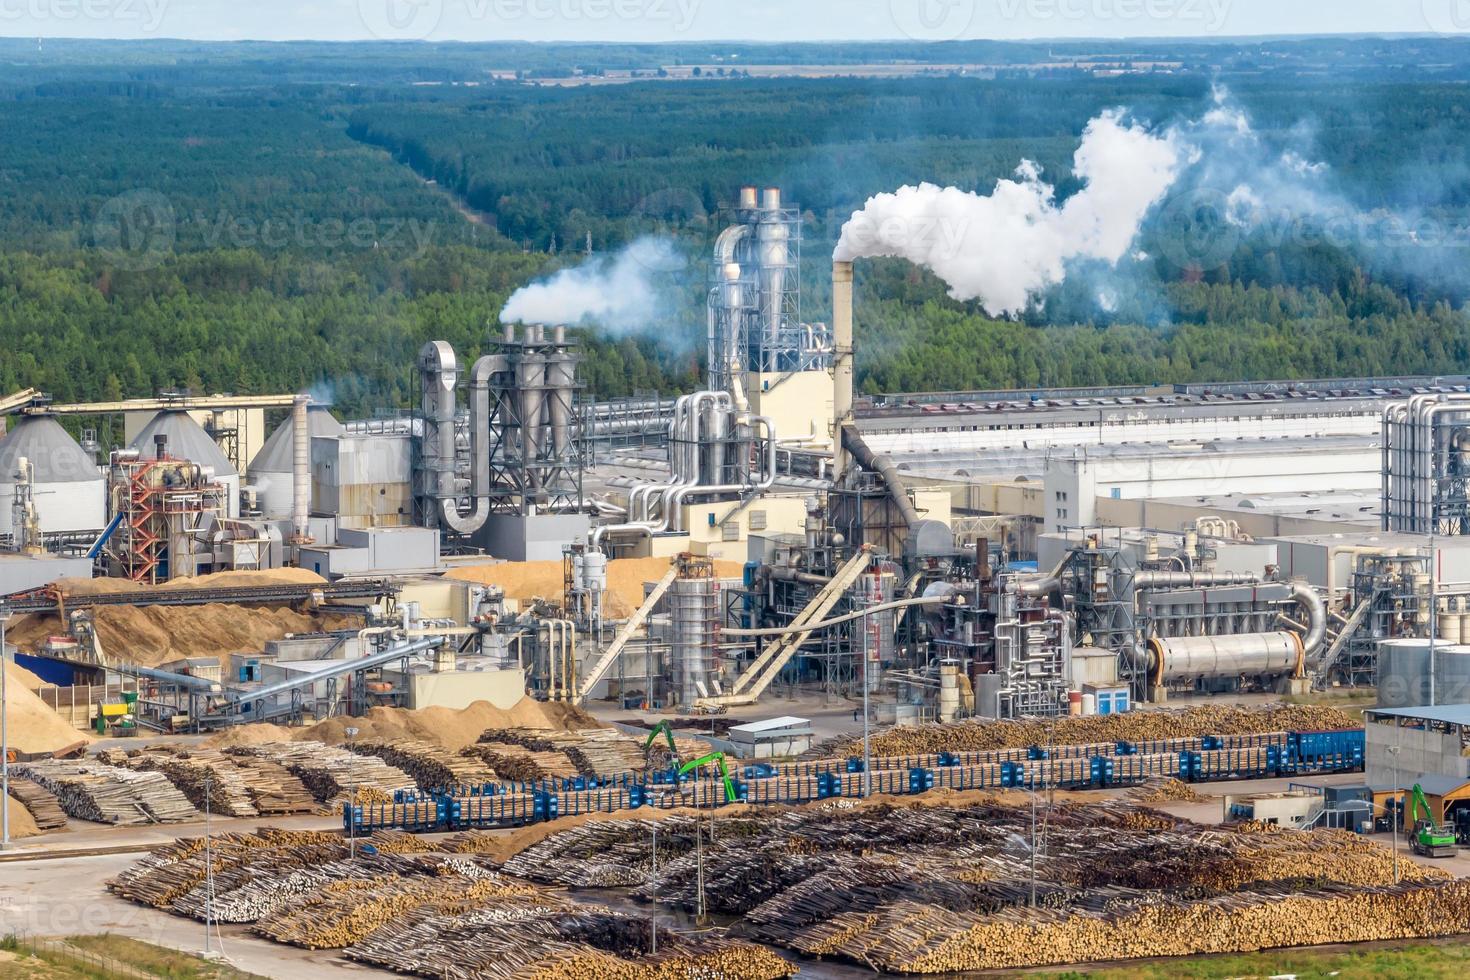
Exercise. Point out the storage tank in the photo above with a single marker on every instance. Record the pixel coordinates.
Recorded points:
(187, 440)
(68, 491)
(271, 469)
(1403, 673)
(1452, 674)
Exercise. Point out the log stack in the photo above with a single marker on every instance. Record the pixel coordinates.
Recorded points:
(430, 765)
(108, 794)
(330, 773)
(43, 806)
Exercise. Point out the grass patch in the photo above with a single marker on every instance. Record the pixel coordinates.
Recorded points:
(1373, 962)
(97, 957)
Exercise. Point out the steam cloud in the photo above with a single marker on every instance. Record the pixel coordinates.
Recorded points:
(620, 292)
(1007, 248)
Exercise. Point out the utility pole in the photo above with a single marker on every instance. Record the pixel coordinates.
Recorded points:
(208, 873)
(352, 809)
(4, 733)
(1433, 608)
(863, 624)
(653, 916)
(1393, 750)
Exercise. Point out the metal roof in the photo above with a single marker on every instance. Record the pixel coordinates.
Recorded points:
(1449, 714)
(55, 455)
(770, 725)
(1433, 784)
(278, 455)
(186, 440)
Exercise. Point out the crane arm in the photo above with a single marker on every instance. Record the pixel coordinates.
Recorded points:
(716, 759)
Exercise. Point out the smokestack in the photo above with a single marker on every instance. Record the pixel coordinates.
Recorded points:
(842, 363)
(301, 472)
(748, 198)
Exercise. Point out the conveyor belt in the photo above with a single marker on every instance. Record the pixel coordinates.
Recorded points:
(286, 594)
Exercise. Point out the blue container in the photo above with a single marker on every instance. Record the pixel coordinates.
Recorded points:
(921, 780)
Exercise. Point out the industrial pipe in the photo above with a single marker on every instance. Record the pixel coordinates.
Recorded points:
(1316, 634)
(337, 669)
(884, 467)
(1145, 581)
(842, 364)
(839, 620)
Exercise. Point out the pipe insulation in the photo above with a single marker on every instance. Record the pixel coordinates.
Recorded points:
(1247, 654)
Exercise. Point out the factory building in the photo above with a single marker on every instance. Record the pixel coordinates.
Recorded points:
(47, 479)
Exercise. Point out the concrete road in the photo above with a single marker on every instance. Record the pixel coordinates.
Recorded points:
(68, 897)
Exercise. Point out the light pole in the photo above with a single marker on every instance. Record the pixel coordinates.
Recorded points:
(4, 733)
(653, 897)
(863, 624)
(1433, 609)
(1393, 750)
(351, 733)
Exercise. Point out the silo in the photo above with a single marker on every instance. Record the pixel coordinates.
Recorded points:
(69, 492)
(271, 469)
(1452, 674)
(1403, 673)
(187, 440)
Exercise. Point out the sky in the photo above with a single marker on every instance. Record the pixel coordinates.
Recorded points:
(702, 20)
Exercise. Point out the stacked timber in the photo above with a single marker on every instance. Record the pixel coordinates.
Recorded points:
(430, 765)
(213, 784)
(1133, 726)
(518, 764)
(43, 806)
(108, 794)
(331, 774)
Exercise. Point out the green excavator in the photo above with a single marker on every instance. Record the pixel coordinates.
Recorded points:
(1428, 838)
(716, 759)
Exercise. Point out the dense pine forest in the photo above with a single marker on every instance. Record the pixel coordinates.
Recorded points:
(268, 217)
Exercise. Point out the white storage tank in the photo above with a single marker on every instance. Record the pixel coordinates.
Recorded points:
(272, 469)
(186, 439)
(68, 490)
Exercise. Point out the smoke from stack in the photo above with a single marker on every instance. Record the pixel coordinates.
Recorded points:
(1006, 248)
(623, 292)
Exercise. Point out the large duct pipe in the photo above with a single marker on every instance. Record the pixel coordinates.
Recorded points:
(441, 372)
(1248, 654)
(300, 472)
(1144, 581)
(884, 467)
(1308, 598)
(561, 382)
(842, 362)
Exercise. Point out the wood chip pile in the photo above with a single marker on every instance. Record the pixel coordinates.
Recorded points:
(430, 765)
(330, 773)
(43, 806)
(108, 794)
(1134, 726)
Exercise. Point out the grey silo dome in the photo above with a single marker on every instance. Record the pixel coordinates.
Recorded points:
(56, 456)
(278, 455)
(186, 440)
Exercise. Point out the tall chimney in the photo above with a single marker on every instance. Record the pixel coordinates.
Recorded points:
(842, 363)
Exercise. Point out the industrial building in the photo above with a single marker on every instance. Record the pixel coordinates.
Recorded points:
(943, 555)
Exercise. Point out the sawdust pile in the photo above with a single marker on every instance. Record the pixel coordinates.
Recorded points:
(219, 580)
(32, 725)
(154, 635)
(446, 726)
(22, 824)
(626, 577)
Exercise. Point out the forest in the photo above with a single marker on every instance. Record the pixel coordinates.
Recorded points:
(275, 217)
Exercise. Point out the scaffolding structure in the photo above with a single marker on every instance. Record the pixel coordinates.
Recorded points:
(164, 504)
(696, 615)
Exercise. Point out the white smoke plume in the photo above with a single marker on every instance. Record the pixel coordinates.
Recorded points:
(620, 292)
(1007, 248)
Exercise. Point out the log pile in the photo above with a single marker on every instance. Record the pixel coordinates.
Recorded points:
(600, 752)
(330, 773)
(1134, 726)
(430, 765)
(43, 806)
(1165, 790)
(518, 764)
(108, 794)
(274, 789)
(215, 784)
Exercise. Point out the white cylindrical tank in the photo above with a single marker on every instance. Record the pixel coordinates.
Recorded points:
(1449, 627)
(1089, 705)
(271, 471)
(68, 491)
(1403, 673)
(1250, 654)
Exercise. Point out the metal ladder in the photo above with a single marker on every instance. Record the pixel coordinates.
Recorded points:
(633, 625)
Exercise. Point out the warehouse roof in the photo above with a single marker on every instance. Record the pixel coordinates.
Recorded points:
(1449, 714)
(798, 726)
